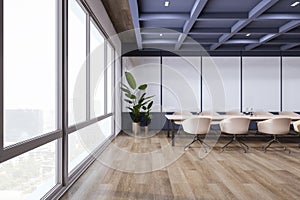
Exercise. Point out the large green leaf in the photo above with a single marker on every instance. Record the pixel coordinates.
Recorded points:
(143, 87)
(149, 97)
(132, 96)
(150, 105)
(130, 80)
(128, 95)
(145, 103)
(142, 98)
(125, 90)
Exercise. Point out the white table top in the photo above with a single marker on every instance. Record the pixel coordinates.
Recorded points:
(221, 117)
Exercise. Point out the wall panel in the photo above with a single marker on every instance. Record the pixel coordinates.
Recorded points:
(229, 78)
(181, 84)
(290, 83)
(261, 83)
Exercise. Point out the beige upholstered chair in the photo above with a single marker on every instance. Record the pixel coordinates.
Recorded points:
(197, 126)
(209, 113)
(276, 126)
(235, 113)
(262, 113)
(297, 126)
(235, 126)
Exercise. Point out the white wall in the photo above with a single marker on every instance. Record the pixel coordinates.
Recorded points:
(181, 84)
(223, 75)
(290, 83)
(146, 70)
(261, 83)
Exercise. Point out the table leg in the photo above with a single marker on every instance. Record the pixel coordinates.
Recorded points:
(169, 128)
(173, 134)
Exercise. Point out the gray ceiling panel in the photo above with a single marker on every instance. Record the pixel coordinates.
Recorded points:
(150, 6)
(243, 25)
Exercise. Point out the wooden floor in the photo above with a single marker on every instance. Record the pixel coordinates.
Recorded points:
(190, 174)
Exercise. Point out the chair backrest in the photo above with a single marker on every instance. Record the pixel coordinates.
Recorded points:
(199, 125)
(280, 125)
(297, 126)
(263, 113)
(208, 113)
(235, 113)
(235, 125)
(183, 113)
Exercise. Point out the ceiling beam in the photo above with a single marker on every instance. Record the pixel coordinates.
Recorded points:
(280, 16)
(284, 28)
(134, 9)
(254, 13)
(244, 15)
(241, 41)
(288, 46)
(163, 16)
(196, 10)
(159, 41)
(223, 16)
(161, 30)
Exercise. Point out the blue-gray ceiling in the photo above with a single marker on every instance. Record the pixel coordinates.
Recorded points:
(217, 24)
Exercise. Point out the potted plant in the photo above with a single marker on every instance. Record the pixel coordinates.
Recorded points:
(148, 116)
(136, 98)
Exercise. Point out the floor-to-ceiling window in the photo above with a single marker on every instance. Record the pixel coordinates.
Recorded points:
(41, 59)
(77, 44)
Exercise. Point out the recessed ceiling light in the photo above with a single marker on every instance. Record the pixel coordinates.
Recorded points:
(248, 34)
(167, 3)
(295, 3)
(161, 35)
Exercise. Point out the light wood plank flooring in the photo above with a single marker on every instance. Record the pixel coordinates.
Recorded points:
(231, 174)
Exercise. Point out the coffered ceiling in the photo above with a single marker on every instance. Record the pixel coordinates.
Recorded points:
(227, 25)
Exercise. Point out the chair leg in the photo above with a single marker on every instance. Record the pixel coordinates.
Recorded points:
(194, 140)
(241, 144)
(201, 141)
(197, 138)
(223, 148)
(275, 139)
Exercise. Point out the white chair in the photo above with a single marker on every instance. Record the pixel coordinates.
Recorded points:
(235, 126)
(197, 126)
(296, 126)
(235, 113)
(179, 122)
(275, 127)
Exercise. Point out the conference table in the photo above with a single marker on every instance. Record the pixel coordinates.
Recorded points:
(216, 119)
